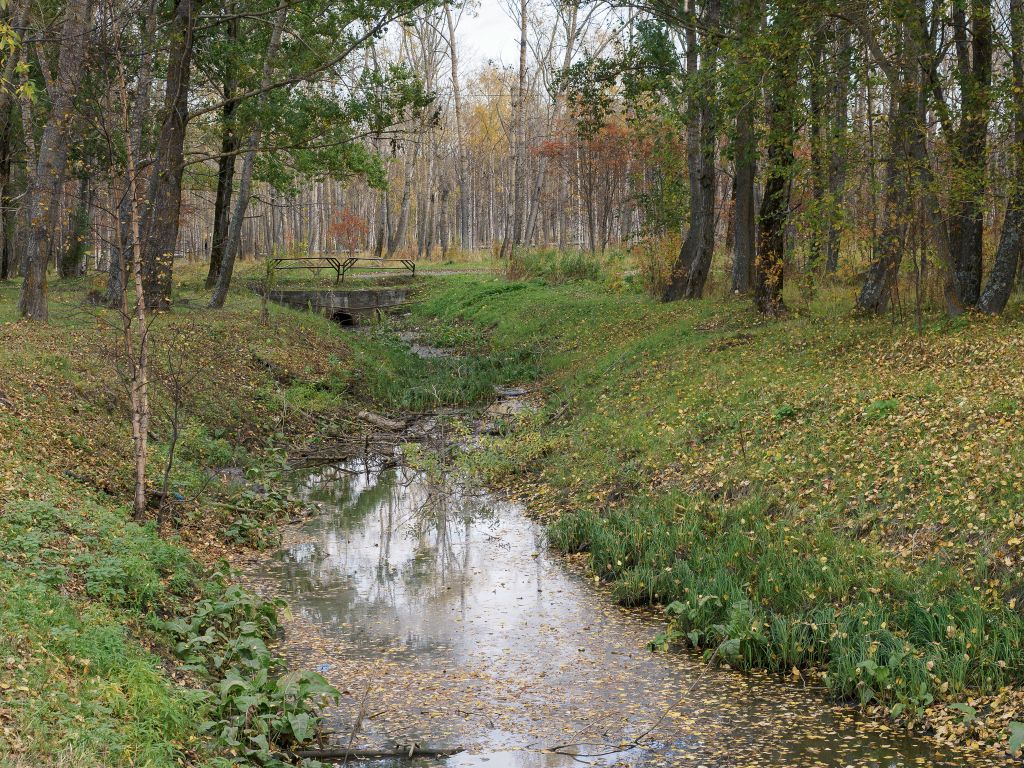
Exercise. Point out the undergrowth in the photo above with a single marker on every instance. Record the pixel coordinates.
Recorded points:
(759, 593)
(385, 371)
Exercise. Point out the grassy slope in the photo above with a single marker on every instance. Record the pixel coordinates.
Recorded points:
(84, 678)
(822, 492)
(78, 582)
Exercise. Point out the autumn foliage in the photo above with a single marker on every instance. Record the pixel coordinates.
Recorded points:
(349, 230)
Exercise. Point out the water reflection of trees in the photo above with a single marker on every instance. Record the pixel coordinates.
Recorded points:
(437, 513)
(450, 505)
(423, 527)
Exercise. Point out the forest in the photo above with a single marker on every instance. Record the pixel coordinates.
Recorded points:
(511, 382)
(878, 144)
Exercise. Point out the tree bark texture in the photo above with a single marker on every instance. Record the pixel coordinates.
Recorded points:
(160, 231)
(51, 162)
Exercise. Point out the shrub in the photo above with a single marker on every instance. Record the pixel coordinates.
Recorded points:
(556, 267)
(654, 259)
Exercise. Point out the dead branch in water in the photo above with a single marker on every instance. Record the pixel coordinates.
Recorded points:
(383, 422)
(399, 751)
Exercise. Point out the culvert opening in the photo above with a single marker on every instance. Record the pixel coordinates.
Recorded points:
(343, 318)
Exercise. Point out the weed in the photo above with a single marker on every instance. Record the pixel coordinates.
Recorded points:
(254, 710)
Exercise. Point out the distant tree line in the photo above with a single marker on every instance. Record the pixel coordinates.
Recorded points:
(770, 140)
(260, 92)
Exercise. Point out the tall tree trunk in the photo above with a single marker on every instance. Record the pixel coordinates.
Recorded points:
(73, 258)
(465, 241)
(160, 233)
(397, 237)
(220, 292)
(225, 166)
(45, 184)
(572, 9)
(382, 225)
(906, 160)
(1011, 241)
(134, 325)
(429, 228)
(818, 83)
(442, 221)
(225, 187)
(7, 216)
(426, 238)
(839, 148)
(898, 204)
(18, 10)
(117, 277)
(974, 68)
(743, 215)
(769, 265)
(514, 216)
(692, 266)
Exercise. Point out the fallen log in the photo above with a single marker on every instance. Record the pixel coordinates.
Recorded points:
(381, 421)
(400, 751)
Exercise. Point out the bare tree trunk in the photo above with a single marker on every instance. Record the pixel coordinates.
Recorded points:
(225, 168)
(7, 215)
(881, 278)
(974, 69)
(116, 279)
(514, 215)
(746, 171)
(164, 198)
(1011, 242)
(691, 269)
(839, 148)
(134, 324)
(220, 293)
(73, 257)
(442, 223)
(818, 150)
(906, 159)
(465, 240)
(383, 225)
(572, 8)
(427, 238)
(769, 265)
(398, 236)
(45, 185)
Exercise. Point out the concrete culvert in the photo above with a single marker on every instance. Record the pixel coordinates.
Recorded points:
(343, 318)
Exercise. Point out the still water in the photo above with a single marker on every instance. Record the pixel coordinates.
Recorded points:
(446, 622)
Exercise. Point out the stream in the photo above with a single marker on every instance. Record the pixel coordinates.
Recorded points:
(444, 619)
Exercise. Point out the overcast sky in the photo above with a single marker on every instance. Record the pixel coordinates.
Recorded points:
(489, 34)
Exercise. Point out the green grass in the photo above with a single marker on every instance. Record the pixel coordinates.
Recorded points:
(88, 672)
(819, 492)
(554, 267)
(388, 373)
(76, 588)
